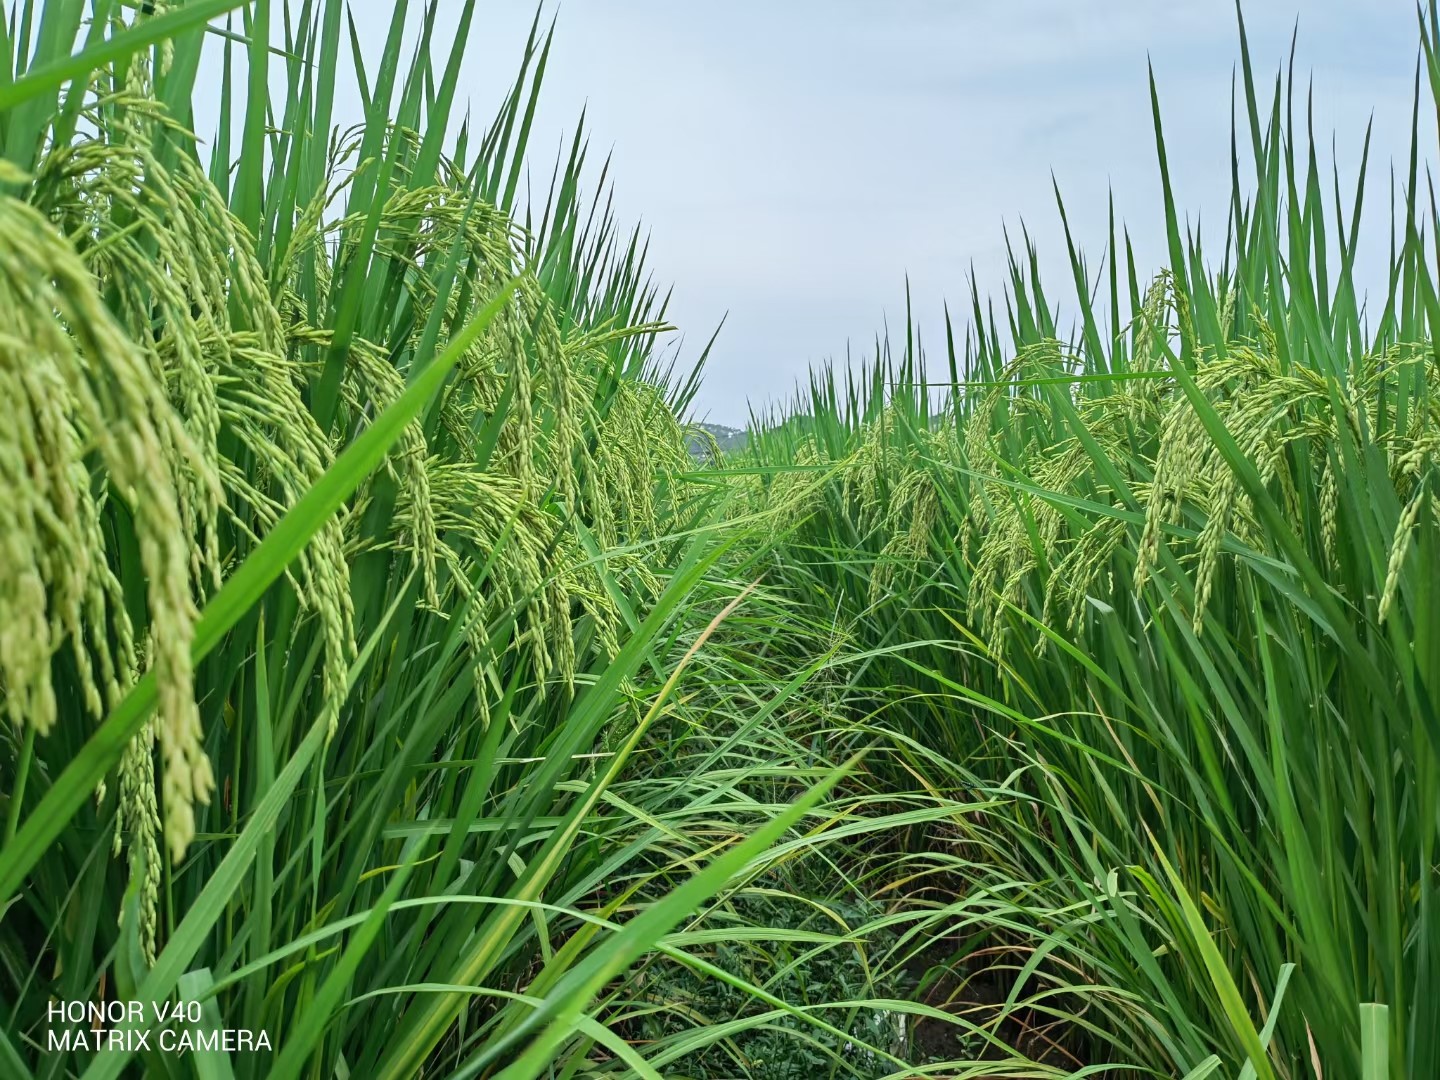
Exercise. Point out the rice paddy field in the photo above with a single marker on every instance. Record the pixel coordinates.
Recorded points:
(398, 684)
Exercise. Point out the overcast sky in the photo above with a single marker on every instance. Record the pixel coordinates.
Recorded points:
(793, 160)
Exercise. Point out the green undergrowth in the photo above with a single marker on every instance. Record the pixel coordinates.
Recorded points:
(794, 959)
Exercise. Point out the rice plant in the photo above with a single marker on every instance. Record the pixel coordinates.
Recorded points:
(1176, 568)
(344, 516)
(385, 675)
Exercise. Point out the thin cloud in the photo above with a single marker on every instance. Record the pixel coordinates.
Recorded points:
(793, 162)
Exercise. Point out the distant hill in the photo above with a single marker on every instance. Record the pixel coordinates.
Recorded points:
(730, 440)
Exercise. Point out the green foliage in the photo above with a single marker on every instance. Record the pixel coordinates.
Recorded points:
(376, 649)
(709, 441)
(790, 966)
(356, 517)
(1175, 572)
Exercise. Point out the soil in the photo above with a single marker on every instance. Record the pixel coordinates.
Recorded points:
(978, 994)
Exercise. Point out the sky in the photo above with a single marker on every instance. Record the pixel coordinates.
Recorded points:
(794, 161)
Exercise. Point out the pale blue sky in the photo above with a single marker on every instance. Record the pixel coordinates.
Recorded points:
(793, 160)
